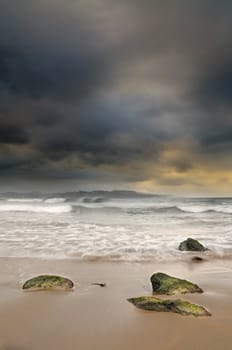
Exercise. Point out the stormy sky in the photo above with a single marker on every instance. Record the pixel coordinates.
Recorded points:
(117, 95)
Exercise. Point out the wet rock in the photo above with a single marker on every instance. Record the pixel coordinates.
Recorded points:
(165, 284)
(99, 284)
(48, 282)
(177, 306)
(192, 245)
(197, 259)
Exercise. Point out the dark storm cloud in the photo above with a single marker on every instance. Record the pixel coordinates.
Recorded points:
(213, 99)
(215, 88)
(6, 165)
(13, 135)
(105, 133)
(105, 87)
(22, 73)
(16, 75)
(48, 51)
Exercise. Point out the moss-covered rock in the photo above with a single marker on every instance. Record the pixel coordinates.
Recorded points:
(165, 284)
(192, 245)
(178, 306)
(48, 282)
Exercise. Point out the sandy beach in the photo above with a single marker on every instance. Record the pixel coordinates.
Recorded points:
(91, 317)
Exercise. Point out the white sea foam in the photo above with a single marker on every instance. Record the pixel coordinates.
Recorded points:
(35, 208)
(25, 200)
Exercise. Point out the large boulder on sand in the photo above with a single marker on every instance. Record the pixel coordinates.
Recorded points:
(48, 282)
(168, 285)
(178, 306)
(192, 245)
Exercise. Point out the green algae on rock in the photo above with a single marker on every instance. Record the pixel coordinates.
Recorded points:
(192, 245)
(48, 282)
(168, 285)
(177, 306)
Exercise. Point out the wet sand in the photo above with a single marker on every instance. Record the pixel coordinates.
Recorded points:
(95, 318)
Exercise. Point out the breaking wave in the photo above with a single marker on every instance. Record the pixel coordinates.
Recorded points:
(172, 210)
(93, 200)
(36, 208)
(25, 200)
(61, 205)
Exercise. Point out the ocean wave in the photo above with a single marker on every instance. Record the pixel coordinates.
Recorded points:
(142, 258)
(115, 209)
(153, 210)
(79, 209)
(177, 210)
(93, 200)
(61, 205)
(146, 210)
(96, 228)
(167, 256)
(143, 210)
(25, 200)
(36, 208)
(224, 211)
(119, 258)
(55, 200)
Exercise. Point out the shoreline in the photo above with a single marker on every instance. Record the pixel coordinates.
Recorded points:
(91, 317)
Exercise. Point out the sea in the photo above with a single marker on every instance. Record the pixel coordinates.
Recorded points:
(112, 226)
